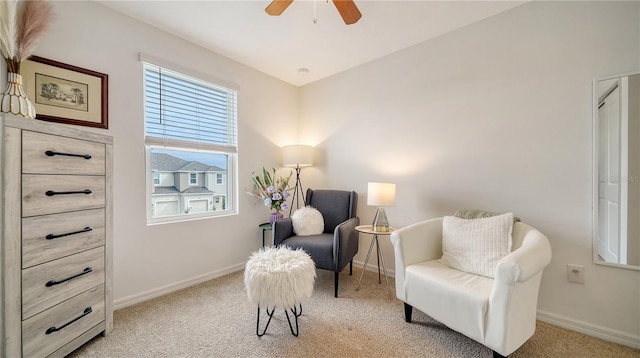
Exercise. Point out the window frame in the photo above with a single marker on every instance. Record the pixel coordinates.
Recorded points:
(193, 182)
(231, 196)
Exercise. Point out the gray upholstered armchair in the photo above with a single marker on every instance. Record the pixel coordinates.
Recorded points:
(338, 244)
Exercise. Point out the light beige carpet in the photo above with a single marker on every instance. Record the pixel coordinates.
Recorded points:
(215, 319)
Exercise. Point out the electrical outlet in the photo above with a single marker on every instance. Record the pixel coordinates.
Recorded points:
(575, 273)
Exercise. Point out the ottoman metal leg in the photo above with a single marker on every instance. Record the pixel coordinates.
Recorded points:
(267, 325)
(296, 313)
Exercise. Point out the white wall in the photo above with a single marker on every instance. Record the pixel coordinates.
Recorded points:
(161, 257)
(497, 116)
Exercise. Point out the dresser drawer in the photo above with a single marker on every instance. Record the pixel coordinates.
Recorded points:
(49, 237)
(55, 281)
(49, 154)
(49, 194)
(64, 322)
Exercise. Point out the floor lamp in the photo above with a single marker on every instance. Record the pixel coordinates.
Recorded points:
(297, 156)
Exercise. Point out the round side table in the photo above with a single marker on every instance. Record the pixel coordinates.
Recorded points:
(368, 229)
(265, 227)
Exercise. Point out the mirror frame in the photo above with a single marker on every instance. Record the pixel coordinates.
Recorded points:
(595, 152)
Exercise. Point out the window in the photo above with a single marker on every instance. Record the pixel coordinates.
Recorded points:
(190, 138)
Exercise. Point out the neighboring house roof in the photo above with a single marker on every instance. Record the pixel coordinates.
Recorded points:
(163, 162)
(198, 167)
(165, 190)
(166, 163)
(174, 190)
(197, 190)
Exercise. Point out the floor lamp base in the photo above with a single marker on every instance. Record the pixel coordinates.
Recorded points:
(296, 197)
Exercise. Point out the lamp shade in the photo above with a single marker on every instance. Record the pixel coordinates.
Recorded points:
(381, 194)
(297, 155)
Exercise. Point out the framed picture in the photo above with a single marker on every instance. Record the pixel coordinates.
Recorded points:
(66, 94)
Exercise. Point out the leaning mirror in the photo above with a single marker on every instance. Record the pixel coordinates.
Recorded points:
(616, 152)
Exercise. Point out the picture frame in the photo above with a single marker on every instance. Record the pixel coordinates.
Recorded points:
(65, 93)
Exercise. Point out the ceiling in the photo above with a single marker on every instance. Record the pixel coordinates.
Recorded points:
(281, 45)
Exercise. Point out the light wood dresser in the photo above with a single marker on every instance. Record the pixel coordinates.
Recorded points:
(56, 233)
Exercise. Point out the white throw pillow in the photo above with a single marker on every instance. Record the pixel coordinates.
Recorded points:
(307, 221)
(476, 245)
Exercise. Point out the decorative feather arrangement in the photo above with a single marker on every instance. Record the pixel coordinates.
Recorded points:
(35, 18)
(22, 24)
(8, 28)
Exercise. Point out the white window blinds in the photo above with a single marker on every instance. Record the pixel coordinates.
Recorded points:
(183, 111)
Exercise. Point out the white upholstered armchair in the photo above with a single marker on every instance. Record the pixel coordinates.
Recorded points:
(498, 312)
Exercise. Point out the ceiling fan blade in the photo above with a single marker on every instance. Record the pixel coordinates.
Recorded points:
(277, 7)
(348, 10)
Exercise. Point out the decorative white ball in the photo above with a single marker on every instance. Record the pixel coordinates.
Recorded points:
(307, 221)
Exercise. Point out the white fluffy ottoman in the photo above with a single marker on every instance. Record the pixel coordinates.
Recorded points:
(279, 277)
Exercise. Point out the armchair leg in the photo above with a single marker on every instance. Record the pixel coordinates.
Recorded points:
(351, 267)
(497, 355)
(408, 309)
(336, 284)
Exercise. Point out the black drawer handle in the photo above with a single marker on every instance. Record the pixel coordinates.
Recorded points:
(54, 282)
(51, 153)
(52, 193)
(53, 236)
(56, 329)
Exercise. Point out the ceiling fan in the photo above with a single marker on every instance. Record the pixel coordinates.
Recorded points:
(347, 9)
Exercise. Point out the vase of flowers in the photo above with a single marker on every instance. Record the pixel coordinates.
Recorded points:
(275, 216)
(22, 24)
(273, 191)
(14, 100)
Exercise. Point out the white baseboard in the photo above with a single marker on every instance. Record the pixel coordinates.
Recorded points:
(160, 291)
(604, 333)
(371, 266)
(590, 329)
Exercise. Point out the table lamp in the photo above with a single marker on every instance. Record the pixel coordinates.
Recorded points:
(380, 195)
(297, 156)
